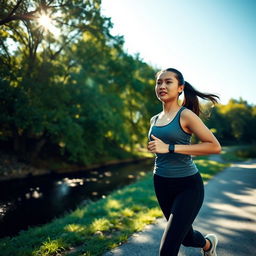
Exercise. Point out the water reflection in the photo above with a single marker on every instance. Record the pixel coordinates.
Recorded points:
(62, 190)
(37, 200)
(71, 182)
(34, 193)
(108, 174)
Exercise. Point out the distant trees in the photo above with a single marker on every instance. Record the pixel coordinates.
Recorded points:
(234, 123)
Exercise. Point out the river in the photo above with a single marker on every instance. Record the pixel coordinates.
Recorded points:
(37, 200)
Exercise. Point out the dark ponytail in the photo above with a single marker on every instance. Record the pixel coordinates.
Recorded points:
(191, 94)
(191, 98)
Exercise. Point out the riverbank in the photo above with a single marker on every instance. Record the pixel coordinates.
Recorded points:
(12, 168)
(99, 226)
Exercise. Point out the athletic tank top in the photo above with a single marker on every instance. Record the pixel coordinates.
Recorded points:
(172, 165)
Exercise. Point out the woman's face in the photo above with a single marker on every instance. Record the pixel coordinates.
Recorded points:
(167, 86)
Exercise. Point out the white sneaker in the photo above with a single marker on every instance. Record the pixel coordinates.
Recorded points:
(214, 241)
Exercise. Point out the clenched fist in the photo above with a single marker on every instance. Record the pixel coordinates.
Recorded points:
(157, 146)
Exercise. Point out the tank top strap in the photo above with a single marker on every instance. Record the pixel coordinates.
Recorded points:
(156, 119)
(179, 113)
(177, 116)
(180, 110)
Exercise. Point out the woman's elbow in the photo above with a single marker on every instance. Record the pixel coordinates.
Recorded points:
(217, 149)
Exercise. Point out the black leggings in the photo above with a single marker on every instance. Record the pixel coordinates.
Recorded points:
(180, 200)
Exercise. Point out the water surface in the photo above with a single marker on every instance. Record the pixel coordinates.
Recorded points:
(37, 200)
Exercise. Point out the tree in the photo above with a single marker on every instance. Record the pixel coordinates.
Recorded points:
(234, 122)
(78, 92)
(38, 66)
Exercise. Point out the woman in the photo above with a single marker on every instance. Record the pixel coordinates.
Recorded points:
(178, 185)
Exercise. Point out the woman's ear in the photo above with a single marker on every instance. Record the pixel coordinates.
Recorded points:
(181, 88)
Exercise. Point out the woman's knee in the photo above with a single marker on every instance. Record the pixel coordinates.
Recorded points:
(194, 239)
(187, 243)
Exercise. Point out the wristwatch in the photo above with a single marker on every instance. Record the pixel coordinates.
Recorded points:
(171, 148)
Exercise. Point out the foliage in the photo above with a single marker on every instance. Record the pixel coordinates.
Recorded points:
(233, 123)
(77, 94)
(239, 153)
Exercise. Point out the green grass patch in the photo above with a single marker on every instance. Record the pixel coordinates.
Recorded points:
(209, 168)
(99, 226)
(239, 153)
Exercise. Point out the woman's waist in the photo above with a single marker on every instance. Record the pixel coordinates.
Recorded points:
(173, 157)
(174, 163)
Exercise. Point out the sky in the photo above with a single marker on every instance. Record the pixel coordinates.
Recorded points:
(212, 42)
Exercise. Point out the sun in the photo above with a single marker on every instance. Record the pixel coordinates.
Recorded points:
(47, 23)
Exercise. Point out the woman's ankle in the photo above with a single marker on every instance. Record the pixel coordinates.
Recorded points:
(208, 245)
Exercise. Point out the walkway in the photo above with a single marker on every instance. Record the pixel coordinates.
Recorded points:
(229, 211)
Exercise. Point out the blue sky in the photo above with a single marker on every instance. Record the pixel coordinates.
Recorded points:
(212, 42)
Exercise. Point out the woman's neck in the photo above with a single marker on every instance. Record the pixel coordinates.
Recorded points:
(170, 107)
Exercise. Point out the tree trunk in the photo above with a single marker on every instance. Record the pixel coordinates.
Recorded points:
(15, 141)
(38, 148)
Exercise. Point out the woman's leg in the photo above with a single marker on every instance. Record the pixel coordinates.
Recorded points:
(180, 201)
(194, 239)
(164, 195)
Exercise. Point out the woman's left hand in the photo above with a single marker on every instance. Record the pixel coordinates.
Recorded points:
(157, 146)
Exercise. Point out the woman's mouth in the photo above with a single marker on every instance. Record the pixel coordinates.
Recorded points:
(162, 93)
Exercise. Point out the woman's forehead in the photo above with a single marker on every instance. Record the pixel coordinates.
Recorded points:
(166, 75)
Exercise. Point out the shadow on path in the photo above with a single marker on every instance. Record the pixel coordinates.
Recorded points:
(229, 211)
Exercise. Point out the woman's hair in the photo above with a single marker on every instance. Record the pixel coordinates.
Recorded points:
(190, 93)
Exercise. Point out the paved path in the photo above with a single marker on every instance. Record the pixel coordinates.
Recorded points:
(229, 210)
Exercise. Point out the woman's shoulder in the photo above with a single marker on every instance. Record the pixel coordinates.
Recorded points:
(186, 111)
(188, 115)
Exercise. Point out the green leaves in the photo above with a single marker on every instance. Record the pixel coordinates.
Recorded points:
(77, 93)
(234, 122)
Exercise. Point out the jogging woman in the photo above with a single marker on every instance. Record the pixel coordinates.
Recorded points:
(178, 184)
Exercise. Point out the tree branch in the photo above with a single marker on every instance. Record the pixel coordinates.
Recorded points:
(15, 8)
(21, 37)
(63, 46)
(26, 16)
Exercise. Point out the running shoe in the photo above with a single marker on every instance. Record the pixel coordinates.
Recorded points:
(214, 241)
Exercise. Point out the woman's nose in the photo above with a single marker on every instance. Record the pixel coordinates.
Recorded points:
(162, 85)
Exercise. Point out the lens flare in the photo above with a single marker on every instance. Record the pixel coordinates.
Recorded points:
(47, 23)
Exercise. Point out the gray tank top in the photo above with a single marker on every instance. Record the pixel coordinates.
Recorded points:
(172, 165)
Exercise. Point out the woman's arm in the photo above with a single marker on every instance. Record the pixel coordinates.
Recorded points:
(209, 144)
(190, 121)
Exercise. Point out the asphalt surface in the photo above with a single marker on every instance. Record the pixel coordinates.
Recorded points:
(229, 211)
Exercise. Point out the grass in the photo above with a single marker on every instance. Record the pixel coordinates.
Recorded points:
(239, 153)
(209, 168)
(99, 226)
